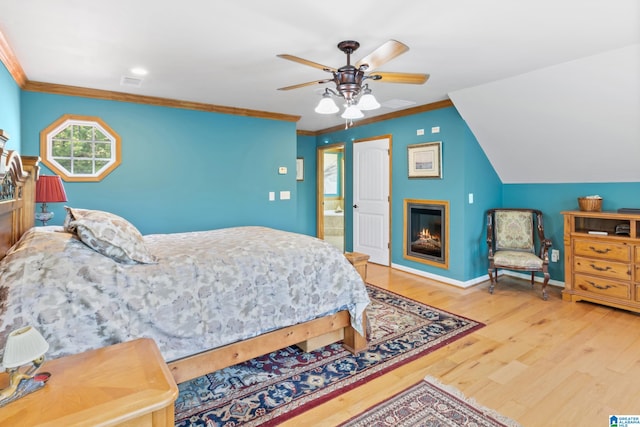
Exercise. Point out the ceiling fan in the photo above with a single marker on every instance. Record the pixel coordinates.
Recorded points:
(350, 79)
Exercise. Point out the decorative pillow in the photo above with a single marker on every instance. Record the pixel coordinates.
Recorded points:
(73, 214)
(110, 235)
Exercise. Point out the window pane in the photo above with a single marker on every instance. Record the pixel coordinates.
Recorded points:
(61, 148)
(100, 164)
(64, 133)
(103, 150)
(82, 149)
(83, 167)
(82, 133)
(64, 163)
(99, 136)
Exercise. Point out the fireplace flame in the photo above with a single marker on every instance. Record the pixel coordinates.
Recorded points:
(425, 234)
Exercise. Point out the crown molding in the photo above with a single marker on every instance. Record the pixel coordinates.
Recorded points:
(57, 89)
(9, 59)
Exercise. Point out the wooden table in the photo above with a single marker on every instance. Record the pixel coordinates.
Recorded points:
(127, 384)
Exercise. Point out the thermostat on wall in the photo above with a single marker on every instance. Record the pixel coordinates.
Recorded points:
(282, 170)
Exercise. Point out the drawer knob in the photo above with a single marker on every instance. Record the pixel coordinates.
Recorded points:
(600, 251)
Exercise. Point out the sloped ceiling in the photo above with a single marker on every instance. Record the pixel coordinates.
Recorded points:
(574, 122)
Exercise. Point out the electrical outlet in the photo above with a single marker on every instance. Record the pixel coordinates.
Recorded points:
(555, 255)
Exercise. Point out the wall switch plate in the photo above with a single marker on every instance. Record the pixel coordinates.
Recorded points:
(470, 198)
(285, 195)
(282, 170)
(555, 255)
(272, 196)
(420, 132)
(435, 129)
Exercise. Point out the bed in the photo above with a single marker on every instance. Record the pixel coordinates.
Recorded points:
(210, 299)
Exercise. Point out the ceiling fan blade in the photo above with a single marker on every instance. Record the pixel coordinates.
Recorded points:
(383, 54)
(409, 78)
(315, 82)
(305, 62)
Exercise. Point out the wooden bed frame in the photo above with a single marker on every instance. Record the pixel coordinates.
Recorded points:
(18, 177)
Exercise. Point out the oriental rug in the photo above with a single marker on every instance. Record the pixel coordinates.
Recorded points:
(277, 386)
(429, 403)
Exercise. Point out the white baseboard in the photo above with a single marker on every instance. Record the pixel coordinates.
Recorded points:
(472, 282)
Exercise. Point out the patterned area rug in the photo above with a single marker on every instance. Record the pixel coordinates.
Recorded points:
(429, 403)
(272, 388)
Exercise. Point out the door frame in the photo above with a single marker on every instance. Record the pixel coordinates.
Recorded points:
(320, 186)
(389, 137)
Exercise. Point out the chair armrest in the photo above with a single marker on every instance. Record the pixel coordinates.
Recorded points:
(490, 234)
(544, 249)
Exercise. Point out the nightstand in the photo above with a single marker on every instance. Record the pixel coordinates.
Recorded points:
(127, 385)
(360, 262)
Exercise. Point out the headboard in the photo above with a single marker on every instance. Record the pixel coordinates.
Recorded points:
(18, 176)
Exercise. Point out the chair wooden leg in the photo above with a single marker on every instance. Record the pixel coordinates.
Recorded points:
(492, 280)
(545, 296)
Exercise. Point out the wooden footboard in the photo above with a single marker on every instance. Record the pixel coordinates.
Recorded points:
(200, 364)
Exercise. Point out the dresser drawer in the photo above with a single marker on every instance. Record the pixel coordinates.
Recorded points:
(600, 286)
(614, 270)
(604, 250)
(637, 254)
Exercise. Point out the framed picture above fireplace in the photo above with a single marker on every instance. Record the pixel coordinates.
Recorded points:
(425, 160)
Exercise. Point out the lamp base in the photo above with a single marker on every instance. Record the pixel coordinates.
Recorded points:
(44, 217)
(26, 386)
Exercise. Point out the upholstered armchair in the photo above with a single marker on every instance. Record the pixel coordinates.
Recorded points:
(512, 244)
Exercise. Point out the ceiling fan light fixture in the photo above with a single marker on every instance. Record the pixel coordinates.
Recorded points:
(368, 101)
(327, 105)
(352, 112)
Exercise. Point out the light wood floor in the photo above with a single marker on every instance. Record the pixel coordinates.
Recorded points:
(542, 363)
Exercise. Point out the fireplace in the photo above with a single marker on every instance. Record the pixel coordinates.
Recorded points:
(426, 224)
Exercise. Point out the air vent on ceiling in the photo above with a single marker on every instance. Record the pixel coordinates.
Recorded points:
(131, 81)
(397, 103)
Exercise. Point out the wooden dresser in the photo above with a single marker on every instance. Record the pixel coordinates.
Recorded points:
(602, 258)
(125, 385)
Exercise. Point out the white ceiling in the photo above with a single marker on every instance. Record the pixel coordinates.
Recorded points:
(502, 62)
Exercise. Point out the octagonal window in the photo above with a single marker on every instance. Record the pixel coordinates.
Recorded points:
(80, 148)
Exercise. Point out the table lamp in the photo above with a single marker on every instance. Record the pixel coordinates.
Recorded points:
(49, 189)
(24, 346)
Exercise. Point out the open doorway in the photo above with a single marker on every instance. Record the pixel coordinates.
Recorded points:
(330, 215)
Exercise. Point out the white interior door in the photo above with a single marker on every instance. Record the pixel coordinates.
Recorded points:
(371, 192)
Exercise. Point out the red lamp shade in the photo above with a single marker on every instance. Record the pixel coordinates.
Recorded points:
(49, 189)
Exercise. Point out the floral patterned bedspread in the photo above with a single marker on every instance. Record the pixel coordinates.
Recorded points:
(210, 288)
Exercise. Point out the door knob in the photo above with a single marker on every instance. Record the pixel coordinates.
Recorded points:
(355, 206)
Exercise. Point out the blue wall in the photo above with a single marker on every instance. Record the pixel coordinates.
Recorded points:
(552, 199)
(465, 169)
(181, 170)
(10, 109)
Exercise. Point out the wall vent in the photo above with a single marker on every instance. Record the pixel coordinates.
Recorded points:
(130, 81)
